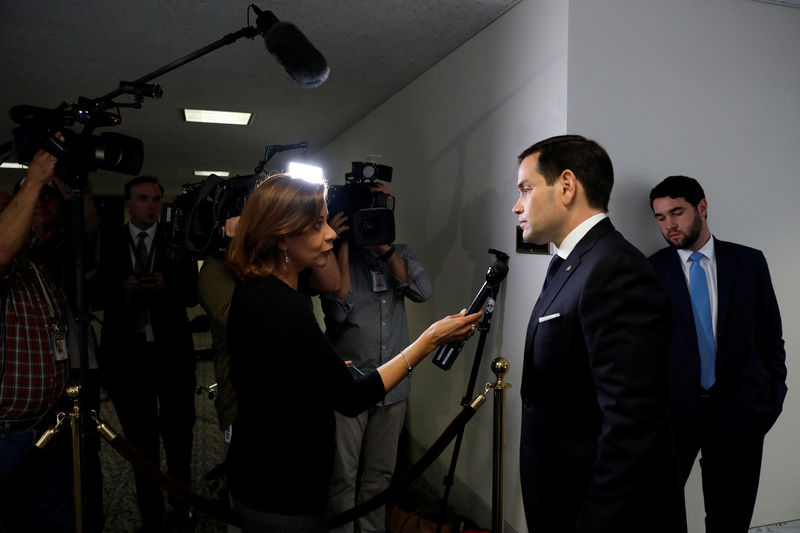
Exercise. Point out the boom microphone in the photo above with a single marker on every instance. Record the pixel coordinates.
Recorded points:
(287, 44)
(446, 355)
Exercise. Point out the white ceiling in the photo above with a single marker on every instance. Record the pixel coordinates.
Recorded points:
(55, 51)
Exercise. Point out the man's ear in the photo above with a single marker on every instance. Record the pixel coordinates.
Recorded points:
(702, 208)
(567, 185)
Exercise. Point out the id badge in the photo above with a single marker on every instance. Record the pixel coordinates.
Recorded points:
(58, 343)
(379, 282)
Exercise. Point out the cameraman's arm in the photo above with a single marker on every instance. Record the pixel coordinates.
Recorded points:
(329, 278)
(343, 262)
(394, 262)
(17, 218)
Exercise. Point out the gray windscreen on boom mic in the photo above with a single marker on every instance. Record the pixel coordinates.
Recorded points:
(287, 44)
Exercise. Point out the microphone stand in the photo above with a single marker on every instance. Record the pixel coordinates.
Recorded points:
(249, 32)
(483, 327)
(82, 318)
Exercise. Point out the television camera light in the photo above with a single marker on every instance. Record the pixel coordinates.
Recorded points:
(306, 172)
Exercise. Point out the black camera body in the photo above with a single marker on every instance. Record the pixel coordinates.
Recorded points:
(192, 223)
(370, 212)
(78, 153)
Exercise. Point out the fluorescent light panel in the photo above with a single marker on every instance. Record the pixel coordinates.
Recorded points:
(220, 173)
(13, 165)
(217, 117)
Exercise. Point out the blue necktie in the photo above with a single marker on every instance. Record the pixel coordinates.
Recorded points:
(701, 308)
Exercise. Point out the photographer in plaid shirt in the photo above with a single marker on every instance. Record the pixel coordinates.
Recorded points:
(35, 494)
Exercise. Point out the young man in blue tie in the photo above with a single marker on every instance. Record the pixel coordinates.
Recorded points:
(728, 365)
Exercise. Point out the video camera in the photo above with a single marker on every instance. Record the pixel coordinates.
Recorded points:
(192, 223)
(79, 153)
(370, 212)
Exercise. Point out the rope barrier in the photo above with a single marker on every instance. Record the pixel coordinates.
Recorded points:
(219, 511)
(461, 419)
(211, 508)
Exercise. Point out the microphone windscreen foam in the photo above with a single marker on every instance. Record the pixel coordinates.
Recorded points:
(304, 63)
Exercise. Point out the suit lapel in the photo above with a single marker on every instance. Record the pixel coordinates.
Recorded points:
(570, 265)
(675, 280)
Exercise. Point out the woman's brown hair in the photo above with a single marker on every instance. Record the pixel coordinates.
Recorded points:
(278, 206)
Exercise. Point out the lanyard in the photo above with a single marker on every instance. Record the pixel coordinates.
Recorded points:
(44, 292)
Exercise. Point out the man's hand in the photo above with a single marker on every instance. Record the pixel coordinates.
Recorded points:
(41, 168)
(338, 223)
(229, 228)
(139, 284)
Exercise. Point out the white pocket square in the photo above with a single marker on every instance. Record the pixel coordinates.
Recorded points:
(548, 317)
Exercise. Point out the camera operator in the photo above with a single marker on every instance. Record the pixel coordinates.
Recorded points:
(34, 367)
(147, 355)
(366, 323)
(51, 245)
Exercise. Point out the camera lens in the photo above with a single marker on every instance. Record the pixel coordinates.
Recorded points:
(371, 227)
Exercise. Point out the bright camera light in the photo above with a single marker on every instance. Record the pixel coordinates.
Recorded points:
(306, 172)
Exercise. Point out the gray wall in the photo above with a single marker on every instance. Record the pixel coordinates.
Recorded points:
(709, 89)
(681, 86)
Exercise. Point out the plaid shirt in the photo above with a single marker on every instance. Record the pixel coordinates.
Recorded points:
(31, 380)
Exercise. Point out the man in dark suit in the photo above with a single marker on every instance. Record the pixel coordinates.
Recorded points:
(147, 355)
(728, 384)
(596, 452)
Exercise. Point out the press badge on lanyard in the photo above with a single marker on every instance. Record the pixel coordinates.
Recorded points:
(379, 282)
(57, 331)
(58, 342)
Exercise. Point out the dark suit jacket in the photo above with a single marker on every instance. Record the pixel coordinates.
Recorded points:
(596, 450)
(751, 361)
(167, 308)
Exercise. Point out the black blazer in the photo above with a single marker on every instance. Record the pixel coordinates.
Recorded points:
(167, 308)
(751, 361)
(596, 451)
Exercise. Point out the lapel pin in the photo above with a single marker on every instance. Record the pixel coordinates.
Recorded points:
(569, 267)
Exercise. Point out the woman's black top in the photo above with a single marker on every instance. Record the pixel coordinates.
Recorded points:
(288, 380)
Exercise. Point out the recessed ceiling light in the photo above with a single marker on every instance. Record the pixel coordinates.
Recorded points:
(13, 165)
(220, 173)
(217, 117)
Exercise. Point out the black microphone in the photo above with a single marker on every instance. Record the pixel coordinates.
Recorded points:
(287, 44)
(446, 355)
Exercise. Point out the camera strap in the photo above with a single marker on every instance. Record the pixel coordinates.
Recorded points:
(210, 188)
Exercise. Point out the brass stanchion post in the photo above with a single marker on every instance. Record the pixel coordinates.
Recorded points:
(75, 424)
(500, 368)
(73, 391)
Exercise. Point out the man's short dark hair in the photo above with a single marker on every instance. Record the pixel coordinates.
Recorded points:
(138, 180)
(585, 158)
(678, 187)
